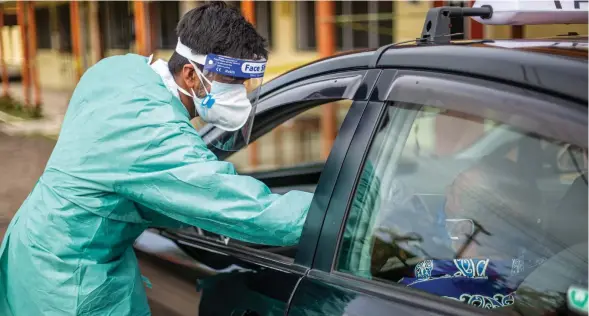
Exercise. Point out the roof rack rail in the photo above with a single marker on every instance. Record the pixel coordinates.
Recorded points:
(436, 28)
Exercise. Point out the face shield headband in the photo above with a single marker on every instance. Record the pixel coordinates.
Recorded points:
(224, 65)
(231, 98)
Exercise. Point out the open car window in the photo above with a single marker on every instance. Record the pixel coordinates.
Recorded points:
(288, 146)
(296, 142)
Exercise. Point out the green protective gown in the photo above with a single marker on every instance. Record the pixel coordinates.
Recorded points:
(127, 158)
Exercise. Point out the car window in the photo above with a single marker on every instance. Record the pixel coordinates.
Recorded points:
(295, 142)
(469, 209)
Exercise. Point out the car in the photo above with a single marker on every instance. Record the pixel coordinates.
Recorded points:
(456, 185)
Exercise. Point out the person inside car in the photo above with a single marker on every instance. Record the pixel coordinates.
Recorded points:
(488, 224)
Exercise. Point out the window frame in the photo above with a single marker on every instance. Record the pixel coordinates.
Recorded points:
(331, 236)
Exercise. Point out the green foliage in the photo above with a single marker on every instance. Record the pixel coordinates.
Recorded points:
(15, 108)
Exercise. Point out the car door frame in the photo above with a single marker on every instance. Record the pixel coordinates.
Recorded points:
(323, 267)
(299, 95)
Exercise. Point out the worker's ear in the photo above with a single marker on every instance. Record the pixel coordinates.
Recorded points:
(189, 77)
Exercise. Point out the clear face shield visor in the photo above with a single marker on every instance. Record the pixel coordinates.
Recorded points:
(228, 96)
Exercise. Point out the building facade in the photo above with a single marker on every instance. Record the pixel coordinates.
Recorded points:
(70, 36)
(108, 28)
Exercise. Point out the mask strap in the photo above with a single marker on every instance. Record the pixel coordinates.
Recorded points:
(193, 96)
(194, 59)
(185, 92)
(202, 77)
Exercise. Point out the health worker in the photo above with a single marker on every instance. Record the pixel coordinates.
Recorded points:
(128, 158)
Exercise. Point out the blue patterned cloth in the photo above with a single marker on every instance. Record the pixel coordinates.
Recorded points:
(480, 282)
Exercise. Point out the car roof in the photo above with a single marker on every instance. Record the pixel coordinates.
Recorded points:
(552, 65)
(573, 46)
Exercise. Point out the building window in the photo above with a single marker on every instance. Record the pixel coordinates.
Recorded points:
(358, 24)
(263, 11)
(305, 21)
(43, 28)
(362, 24)
(263, 17)
(169, 15)
(10, 20)
(64, 28)
(116, 24)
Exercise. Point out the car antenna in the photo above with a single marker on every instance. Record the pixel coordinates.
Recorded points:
(436, 28)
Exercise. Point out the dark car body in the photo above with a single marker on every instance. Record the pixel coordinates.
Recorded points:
(248, 279)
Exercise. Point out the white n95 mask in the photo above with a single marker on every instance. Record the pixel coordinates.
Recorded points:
(226, 105)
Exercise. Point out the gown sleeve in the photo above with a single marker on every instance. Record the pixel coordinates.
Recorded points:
(179, 177)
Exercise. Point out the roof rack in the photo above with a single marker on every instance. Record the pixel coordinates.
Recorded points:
(436, 28)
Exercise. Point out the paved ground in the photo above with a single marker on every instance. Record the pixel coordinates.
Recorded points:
(23, 160)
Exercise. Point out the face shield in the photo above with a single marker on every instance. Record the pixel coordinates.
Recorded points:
(228, 95)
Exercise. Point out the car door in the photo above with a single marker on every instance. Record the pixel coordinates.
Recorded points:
(485, 244)
(259, 280)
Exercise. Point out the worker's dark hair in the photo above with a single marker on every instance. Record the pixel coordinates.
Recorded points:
(219, 29)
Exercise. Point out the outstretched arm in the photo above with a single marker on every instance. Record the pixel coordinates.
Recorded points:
(178, 176)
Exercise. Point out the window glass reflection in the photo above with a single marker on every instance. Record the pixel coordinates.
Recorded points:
(470, 210)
